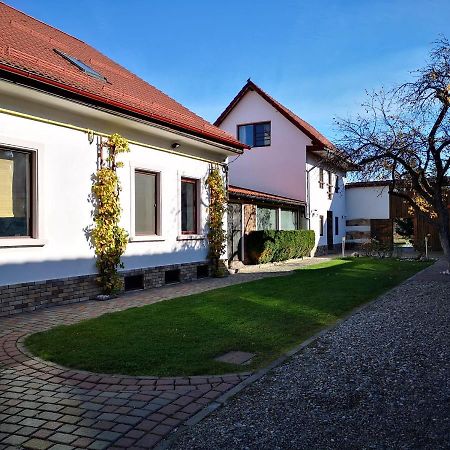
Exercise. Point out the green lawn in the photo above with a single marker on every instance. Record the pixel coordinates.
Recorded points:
(183, 335)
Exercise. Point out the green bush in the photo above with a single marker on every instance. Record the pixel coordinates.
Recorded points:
(271, 245)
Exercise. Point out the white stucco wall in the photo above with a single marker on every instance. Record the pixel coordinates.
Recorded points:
(367, 202)
(66, 163)
(320, 203)
(278, 168)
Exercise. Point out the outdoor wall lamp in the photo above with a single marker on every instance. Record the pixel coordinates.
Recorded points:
(90, 136)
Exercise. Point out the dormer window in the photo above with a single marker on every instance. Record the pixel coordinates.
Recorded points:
(255, 134)
(81, 65)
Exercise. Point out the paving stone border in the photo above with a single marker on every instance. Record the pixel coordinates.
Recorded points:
(44, 405)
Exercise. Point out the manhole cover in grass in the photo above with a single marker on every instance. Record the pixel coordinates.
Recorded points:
(236, 358)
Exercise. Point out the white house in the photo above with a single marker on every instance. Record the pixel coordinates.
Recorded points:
(373, 212)
(368, 205)
(59, 96)
(286, 161)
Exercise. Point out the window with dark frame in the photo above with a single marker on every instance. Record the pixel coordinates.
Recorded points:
(330, 186)
(255, 134)
(16, 204)
(189, 206)
(336, 225)
(289, 219)
(146, 203)
(321, 178)
(336, 184)
(266, 218)
(321, 225)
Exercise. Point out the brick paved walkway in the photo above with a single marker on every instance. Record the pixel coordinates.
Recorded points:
(43, 405)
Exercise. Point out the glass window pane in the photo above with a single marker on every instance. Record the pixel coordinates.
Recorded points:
(288, 219)
(145, 203)
(262, 134)
(188, 206)
(266, 218)
(336, 184)
(245, 134)
(14, 193)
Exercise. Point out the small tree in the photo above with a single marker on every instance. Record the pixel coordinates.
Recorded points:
(216, 210)
(108, 238)
(404, 136)
(404, 227)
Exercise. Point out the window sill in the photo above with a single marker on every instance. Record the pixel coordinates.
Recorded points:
(191, 237)
(150, 238)
(21, 242)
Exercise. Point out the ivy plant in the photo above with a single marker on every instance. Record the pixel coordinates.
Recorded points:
(108, 238)
(216, 211)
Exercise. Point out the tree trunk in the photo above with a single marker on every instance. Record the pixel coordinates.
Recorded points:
(444, 233)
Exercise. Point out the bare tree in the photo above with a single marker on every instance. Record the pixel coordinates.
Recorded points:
(403, 135)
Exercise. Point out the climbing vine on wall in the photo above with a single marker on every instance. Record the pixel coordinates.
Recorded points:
(216, 211)
(108, 238)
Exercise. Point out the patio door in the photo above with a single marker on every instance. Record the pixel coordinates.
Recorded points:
(330, 230)
(234, 237)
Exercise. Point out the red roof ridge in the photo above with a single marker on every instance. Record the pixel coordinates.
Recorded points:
(305, 127)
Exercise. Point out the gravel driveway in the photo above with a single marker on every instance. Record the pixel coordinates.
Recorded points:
(379, 380)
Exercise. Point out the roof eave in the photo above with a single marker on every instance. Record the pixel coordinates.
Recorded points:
(262, 197)
(235, 146)
(250, 86)
(337, 159)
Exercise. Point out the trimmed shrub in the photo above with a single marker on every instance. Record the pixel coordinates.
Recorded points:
(273, 245)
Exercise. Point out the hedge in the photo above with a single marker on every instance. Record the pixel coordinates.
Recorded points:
(272, 245)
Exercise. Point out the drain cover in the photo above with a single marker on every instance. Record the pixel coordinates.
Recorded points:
(235, 357)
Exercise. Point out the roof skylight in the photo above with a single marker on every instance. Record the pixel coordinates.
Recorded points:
(81, 65)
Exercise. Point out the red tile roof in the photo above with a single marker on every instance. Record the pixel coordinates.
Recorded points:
(316, 137)
(27, 49)
(238, 192)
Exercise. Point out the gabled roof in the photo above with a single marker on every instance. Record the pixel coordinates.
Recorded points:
(316, 137)
(34, 52)
(237, 192)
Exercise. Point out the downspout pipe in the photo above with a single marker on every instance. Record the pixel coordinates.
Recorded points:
(308, 194)
(308, 187)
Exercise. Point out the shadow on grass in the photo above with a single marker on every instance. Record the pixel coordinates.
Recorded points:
(183, 335)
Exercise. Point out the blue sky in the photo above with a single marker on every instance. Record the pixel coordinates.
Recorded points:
(315, 57)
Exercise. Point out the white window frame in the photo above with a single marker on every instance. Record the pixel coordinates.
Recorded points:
(36, 150)
(159, 236)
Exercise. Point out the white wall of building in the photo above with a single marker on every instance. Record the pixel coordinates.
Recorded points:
(66, 162)
(371, 202)
(278, 168)
(320, 203)
(366, 202)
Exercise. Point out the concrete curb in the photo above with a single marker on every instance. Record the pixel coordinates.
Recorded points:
(220, 401)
